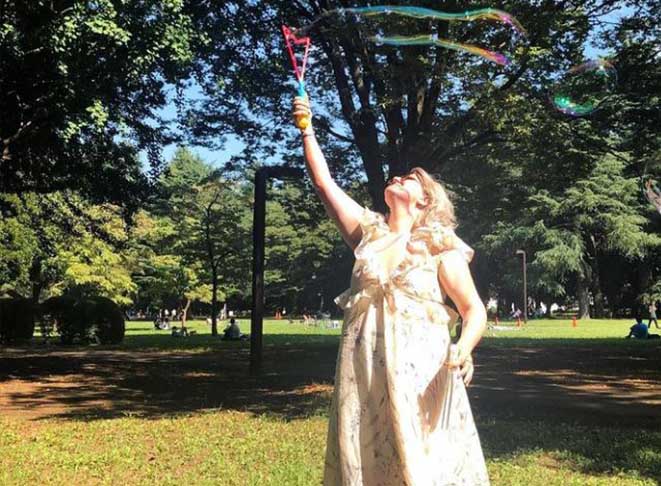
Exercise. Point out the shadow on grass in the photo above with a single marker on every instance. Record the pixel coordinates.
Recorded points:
(156, 375)
(596, 450)
(525, 395)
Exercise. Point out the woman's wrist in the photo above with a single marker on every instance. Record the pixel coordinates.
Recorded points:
(464, 349)
(307, 132)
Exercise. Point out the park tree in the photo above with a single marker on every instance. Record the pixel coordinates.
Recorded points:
(81, 86)
(571, 232)
(213, 215)
(59, 243)
(208, 219)
(570, 188)
(169, 278)
(304, 252)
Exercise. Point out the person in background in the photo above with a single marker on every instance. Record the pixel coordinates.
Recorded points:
(652, 311)
(640, 331)
(232, 332)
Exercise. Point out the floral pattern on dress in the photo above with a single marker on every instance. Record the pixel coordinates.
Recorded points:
(398, 415)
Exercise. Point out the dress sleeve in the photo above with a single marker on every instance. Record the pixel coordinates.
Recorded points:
(438, 240)
(373, 225)
(466, 251)
(370, 220)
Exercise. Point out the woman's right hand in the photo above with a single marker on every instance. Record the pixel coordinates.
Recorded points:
(302, 113)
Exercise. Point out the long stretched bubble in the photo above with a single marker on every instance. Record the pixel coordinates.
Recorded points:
(423, 40)
(427, 13)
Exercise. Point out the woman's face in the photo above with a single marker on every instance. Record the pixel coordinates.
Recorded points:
(404, 190)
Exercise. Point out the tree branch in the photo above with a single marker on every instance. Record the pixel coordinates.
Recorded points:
(323, 124)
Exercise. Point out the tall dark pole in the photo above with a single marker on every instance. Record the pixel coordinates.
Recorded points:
(258, 238)
(525, 286)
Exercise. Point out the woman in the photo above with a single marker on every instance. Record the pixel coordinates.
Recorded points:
(399, 413)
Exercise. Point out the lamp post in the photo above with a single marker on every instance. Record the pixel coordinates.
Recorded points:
(258, 236)
(525, 286)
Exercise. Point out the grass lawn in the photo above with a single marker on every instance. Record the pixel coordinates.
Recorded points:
(249, 439)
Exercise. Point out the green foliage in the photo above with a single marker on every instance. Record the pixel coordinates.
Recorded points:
(80, 88)
(81, 84)
(192, 243)
(521, 173)
(60, 243)
(305, 253)
(568, 233)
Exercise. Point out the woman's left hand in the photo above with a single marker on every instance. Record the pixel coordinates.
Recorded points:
(463, 361)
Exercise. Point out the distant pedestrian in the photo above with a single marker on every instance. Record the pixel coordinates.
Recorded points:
(652, 311)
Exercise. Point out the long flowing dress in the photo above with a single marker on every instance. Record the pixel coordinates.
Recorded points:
(399, 416)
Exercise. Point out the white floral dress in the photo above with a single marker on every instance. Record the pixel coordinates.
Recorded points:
(398, 416)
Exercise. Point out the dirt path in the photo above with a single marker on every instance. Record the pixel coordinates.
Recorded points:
(591, 384)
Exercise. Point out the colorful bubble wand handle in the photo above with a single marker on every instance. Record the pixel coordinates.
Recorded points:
(302, 121)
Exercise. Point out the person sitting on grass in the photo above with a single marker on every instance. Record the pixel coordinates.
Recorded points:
(233, 332)
(640, 331)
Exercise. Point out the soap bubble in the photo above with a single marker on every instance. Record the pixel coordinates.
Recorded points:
(584, 88)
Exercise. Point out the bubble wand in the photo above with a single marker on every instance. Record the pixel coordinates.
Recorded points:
(302, 121)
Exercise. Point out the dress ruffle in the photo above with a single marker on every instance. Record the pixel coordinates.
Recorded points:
(429, 240)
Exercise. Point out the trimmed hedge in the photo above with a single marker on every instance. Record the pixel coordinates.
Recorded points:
(109, 321)
(90, 319)
(16, 320)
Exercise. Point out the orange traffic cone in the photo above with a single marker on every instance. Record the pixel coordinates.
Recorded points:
(573, 322)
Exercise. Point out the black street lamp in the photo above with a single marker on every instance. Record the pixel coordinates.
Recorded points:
(258, 239)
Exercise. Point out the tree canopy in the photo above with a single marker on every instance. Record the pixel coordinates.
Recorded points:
(82, 84)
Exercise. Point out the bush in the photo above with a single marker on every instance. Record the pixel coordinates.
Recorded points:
(90, 319)
(109, 321)
(61, 312)
(16, 320)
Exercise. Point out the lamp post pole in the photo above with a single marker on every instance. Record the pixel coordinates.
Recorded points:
(258, 238)
(525, 286)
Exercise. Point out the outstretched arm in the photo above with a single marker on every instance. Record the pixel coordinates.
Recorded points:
(455, 278)
(342, 209)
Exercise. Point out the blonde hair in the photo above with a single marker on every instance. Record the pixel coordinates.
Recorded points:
(439, 208)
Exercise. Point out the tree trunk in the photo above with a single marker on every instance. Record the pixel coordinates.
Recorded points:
(184, 314)
(214, 302)
(583, 294)
(597, 294)
(36, 280)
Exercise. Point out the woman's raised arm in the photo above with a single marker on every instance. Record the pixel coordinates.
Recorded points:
(342, 209)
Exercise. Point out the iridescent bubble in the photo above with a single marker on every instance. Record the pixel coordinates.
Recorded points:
(514, 34)
(584, 88)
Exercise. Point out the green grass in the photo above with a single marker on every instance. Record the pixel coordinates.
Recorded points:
(236, 448)
(142, 335)
(230, 447)
(544, 332)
